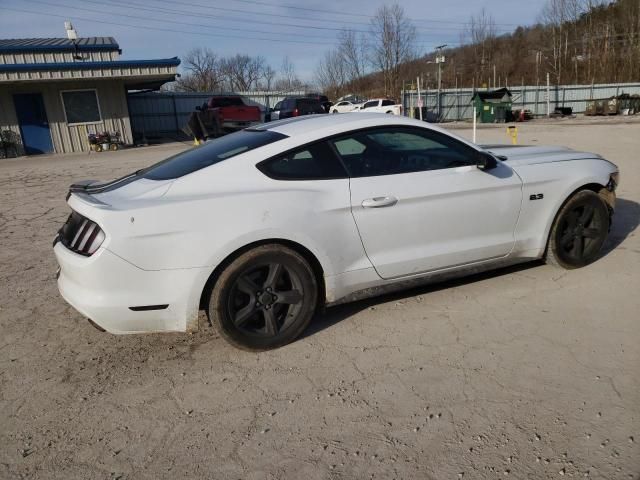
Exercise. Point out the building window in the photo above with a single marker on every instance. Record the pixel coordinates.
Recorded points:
(81, 106)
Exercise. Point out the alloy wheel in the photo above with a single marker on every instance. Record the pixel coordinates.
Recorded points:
(581, 233)
(266, 299)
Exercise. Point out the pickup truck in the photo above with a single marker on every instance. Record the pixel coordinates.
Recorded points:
(380, 105)
(233, 112)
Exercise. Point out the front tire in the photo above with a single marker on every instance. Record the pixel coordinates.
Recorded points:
(579, 231)
(264, 299)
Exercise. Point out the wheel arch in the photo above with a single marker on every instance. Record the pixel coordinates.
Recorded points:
(595, 187)
(307, 254)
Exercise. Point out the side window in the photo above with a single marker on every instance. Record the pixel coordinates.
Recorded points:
(312, 162)
(386, 103)
(392, 151)
(370, 104)
(349, 146)
(278, 106)
(350, 150)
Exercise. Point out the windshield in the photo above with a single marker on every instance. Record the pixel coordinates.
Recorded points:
(212, 152)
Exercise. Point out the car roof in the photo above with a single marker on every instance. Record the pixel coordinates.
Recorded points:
(325, 125)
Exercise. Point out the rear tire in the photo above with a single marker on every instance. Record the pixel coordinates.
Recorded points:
(264, 299)
(579, 231)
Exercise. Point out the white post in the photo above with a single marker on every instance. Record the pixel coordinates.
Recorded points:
(548, 97)
(474, 124)
(419, 97)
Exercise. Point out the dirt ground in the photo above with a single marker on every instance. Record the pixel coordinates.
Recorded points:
(529, 372)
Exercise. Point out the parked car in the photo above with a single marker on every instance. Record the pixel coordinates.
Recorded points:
(275, 111)
(344, 106)
(381, 105)
(235, 114)
(323, 99)
(298, 106)
(264, 226)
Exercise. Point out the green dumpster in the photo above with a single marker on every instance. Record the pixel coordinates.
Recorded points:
(493, 106)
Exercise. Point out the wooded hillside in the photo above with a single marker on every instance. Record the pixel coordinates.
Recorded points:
(575, 41)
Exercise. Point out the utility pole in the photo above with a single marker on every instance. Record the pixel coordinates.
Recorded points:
(439, 60)
(494, 76)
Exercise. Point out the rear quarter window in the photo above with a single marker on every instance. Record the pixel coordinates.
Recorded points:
(312, 162)
(212, 152)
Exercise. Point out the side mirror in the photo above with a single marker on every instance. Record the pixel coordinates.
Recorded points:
(486, 161)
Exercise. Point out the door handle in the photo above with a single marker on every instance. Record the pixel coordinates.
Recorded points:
(377, 202)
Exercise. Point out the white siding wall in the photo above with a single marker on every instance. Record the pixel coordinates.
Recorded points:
(66, 138)
(56, 57)
(105, 72)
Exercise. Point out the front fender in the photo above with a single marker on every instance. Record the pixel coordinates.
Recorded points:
(556, 182)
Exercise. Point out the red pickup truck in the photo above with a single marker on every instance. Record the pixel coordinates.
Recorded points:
(233, 112)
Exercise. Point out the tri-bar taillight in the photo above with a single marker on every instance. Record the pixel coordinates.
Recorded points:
(81, 235)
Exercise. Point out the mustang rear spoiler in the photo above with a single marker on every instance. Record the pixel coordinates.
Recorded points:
(91, 187)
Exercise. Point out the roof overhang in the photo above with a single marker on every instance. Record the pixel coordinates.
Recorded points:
(136, 74)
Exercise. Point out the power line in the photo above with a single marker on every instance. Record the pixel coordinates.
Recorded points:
(164, 10)
(132, 4)
(235, 10)
(135, 17)
(360, 15)
(145, 27)
(462, 25)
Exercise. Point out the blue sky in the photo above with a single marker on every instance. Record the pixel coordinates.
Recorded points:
(301, 30)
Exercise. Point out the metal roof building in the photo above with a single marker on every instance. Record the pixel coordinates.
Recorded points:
(54, 92)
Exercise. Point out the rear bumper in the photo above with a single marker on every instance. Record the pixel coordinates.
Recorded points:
(105, 288)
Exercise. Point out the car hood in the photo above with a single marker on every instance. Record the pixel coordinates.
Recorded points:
(516, 155)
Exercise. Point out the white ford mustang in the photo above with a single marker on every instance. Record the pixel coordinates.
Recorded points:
(262, 227)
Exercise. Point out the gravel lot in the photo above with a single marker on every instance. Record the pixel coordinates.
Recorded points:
(529, 372)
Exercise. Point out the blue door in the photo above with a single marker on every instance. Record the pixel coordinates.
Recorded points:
(33, 122)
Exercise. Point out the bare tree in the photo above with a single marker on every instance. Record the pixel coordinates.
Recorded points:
(203, 72)
(393, 43)
(482, 29)
(482, 32)
(353, 50)
(561, 16)
(242, 72)
(268, 76)
(288, 78)
(331, 73)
